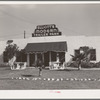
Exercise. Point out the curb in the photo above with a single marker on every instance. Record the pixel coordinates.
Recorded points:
(56, 79)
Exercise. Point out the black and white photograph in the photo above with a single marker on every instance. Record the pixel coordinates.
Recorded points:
(50, 46)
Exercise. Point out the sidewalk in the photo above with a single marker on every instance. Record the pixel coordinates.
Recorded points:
(71, 68)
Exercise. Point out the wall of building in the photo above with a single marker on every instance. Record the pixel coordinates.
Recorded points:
(2, 48)
(73, 42)
(95, 43)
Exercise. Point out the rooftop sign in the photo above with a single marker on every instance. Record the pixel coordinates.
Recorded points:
(46, 30)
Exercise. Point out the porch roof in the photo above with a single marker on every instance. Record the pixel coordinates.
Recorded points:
(44, 47)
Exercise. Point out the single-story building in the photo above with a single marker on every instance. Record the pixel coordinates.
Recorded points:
(50, 45)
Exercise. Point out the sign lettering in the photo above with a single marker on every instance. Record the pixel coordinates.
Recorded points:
(46, 30)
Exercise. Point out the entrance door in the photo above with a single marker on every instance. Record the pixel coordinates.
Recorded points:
(39, 56)
(53, 56)
(62, 57)
(46, 59)
(32, 59)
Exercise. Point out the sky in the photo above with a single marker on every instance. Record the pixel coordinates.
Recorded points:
(71, 19)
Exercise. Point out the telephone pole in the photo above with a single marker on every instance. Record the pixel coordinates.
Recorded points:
(24, 34)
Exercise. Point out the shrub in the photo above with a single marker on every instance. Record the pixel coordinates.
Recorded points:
(74, 64)
(4, 65)
(85, 64)
(88, 65)
(98, 64)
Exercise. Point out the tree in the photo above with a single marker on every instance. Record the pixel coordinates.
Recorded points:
(83, 55)
(11, 52)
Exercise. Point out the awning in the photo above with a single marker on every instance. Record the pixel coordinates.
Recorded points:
(44, 47)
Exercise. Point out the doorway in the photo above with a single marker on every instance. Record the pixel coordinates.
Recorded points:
(32, 60)
(46, 59)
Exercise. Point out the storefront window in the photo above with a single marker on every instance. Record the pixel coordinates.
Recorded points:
(5, 57)
(77, 52)
(93, 55)
(53, 56)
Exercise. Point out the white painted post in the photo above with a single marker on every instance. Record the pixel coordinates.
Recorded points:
(35, 57)
(66, 56)
(57, 57)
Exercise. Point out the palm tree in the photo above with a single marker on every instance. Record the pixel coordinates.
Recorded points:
(83, 55)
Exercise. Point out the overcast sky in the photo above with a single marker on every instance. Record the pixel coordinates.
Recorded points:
(71, 19)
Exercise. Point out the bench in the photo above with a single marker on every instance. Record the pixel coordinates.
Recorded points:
(56, 66)
(19, 65)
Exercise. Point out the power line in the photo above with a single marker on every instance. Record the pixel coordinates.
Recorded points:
(11, 35)
(14, 35)
(21, 19)
(15, 17)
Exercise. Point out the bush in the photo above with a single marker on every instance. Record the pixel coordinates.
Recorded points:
(4, 65)
(98, 65)
(85, 64)
(88, 65)
(74, 64)
(91, 65)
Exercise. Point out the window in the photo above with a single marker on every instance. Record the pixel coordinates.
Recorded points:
(93, 54)
(5, 57)
(77, 52)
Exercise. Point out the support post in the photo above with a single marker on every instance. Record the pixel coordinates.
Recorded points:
(35, 58)
(65, 56)
(57, 57)
(49, 58)
(43, 57)
(28, 60)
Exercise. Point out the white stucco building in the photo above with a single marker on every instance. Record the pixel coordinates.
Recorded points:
(72, 43)
(48, 44)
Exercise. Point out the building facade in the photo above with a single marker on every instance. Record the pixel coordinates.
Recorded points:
(49, 45)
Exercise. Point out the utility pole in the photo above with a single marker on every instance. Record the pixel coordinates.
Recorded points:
(24, 34)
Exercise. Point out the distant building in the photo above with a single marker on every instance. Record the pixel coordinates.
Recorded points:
(48, 44)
